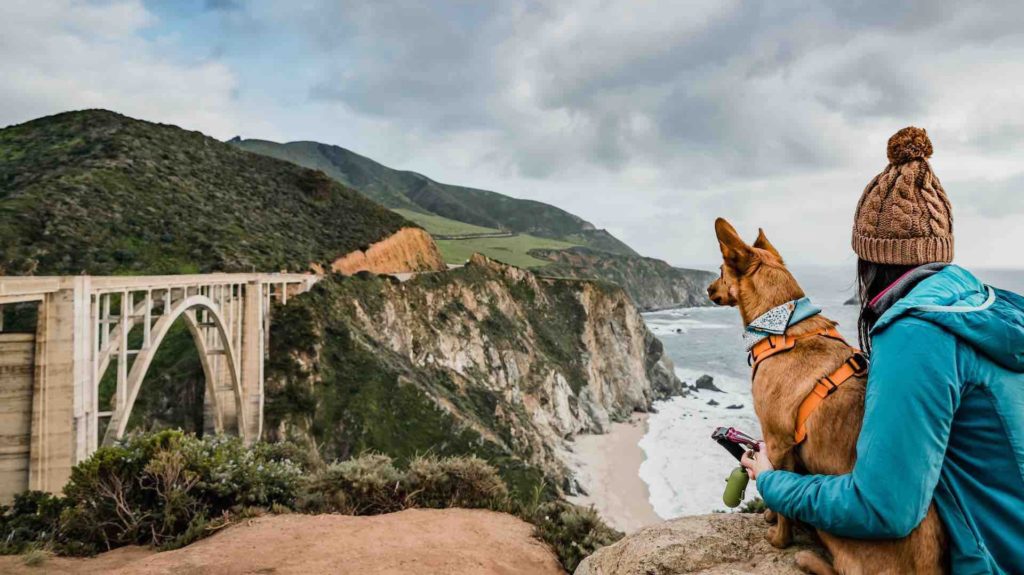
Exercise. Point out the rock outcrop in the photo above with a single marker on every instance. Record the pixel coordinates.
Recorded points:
(488, 359)
(718, 544)
(407, 250)
(652, 283)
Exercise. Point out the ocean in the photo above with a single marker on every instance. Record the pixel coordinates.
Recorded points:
(684, 469)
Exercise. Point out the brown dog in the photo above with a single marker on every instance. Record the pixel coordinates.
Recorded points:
(755, 279)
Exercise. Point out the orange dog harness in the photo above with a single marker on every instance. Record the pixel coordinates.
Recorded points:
(855, 366)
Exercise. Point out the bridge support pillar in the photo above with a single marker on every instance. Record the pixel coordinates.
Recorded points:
(252, 360)
(62, 415)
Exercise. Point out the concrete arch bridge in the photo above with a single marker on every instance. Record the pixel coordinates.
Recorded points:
(50, 412)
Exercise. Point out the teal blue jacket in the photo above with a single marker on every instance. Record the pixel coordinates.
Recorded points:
(944, 421)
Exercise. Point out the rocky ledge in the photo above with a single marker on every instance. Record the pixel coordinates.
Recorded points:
(717, 544)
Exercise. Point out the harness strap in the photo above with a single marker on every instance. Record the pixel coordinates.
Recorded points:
(856, 366)
(774, 344)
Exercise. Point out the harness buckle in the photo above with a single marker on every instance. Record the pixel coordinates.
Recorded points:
(859, 363)
(825, 387)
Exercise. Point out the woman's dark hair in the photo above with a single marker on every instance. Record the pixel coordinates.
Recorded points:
(872, 278)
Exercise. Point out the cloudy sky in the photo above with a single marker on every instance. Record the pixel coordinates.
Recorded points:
(646, 118)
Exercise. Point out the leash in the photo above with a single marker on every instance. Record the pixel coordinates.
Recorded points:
(856, 365)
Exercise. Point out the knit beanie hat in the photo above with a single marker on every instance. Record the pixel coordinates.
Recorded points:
(904, 216)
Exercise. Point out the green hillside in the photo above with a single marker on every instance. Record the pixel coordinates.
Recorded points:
(97, 192)
(415, 192)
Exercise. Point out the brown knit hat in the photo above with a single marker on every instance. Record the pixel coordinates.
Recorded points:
(904, 216)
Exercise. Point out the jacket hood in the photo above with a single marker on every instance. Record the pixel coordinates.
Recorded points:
(989, 319)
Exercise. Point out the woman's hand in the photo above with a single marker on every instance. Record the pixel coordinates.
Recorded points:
(757, 462)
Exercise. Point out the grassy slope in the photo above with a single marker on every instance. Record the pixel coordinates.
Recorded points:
(100, 193)
(415, 192)
(513, 250)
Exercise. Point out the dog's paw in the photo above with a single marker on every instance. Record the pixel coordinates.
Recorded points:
(811, 562)
(779, 536)
(770, 517)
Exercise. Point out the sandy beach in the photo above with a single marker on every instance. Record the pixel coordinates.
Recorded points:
(608, 468)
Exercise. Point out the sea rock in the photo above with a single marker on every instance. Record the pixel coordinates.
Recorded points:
(712, 403)
(854, 300)
(717, 544)
(734, 406)
(706, 382)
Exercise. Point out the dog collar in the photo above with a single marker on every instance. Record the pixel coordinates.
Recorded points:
(776, 320)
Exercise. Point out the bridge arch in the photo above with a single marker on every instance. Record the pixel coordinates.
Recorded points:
(187, 308)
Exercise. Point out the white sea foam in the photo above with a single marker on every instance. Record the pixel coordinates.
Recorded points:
(685, 470)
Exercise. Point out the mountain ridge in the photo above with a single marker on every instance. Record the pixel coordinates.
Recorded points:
(405, 189)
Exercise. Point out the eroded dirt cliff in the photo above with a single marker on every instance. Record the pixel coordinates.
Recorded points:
(407, 250)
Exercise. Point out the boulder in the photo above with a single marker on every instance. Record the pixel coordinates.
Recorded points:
(706, 382)
(712, 402)
(717, 544)
(735, 406)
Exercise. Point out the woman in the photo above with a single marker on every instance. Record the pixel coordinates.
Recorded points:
(944, 411)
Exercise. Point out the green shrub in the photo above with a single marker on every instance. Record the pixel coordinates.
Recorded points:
(573, 532)
(161, 489)
(29, 521)
(367, 485)
(755, 505)
(455, 482)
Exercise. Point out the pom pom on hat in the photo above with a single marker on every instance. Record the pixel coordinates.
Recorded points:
(909, 144)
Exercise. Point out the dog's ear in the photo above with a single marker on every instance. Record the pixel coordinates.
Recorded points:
(735, 251)
(762, 243)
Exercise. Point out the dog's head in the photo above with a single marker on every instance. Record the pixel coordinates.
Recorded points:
(753, 277)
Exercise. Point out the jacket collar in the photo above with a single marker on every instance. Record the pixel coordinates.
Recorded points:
(776, 320)
(902, 286)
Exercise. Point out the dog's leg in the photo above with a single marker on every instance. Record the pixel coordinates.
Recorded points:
(770, 516)
(781, 534)
(811, 562)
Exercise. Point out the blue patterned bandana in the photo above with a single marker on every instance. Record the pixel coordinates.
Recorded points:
(776, 320)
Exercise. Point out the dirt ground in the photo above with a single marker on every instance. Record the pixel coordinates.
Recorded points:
(449, 541)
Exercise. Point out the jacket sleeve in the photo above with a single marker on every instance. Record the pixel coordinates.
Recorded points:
(913, 392)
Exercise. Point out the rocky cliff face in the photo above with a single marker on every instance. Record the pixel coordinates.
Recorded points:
(653, 284)
(407, 250)
(488, 359)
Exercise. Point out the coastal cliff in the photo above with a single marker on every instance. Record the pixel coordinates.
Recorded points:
(487, 359)
(652, 283)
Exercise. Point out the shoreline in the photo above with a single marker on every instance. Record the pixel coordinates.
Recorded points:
(607, 467)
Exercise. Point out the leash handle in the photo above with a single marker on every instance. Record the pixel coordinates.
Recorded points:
(734, 441)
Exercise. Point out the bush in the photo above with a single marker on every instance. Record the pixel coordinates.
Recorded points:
(367, 485)
(29, 521)
(755, 505)
(573, 532)
(455, 482)
(371, 484)
(161, 489)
